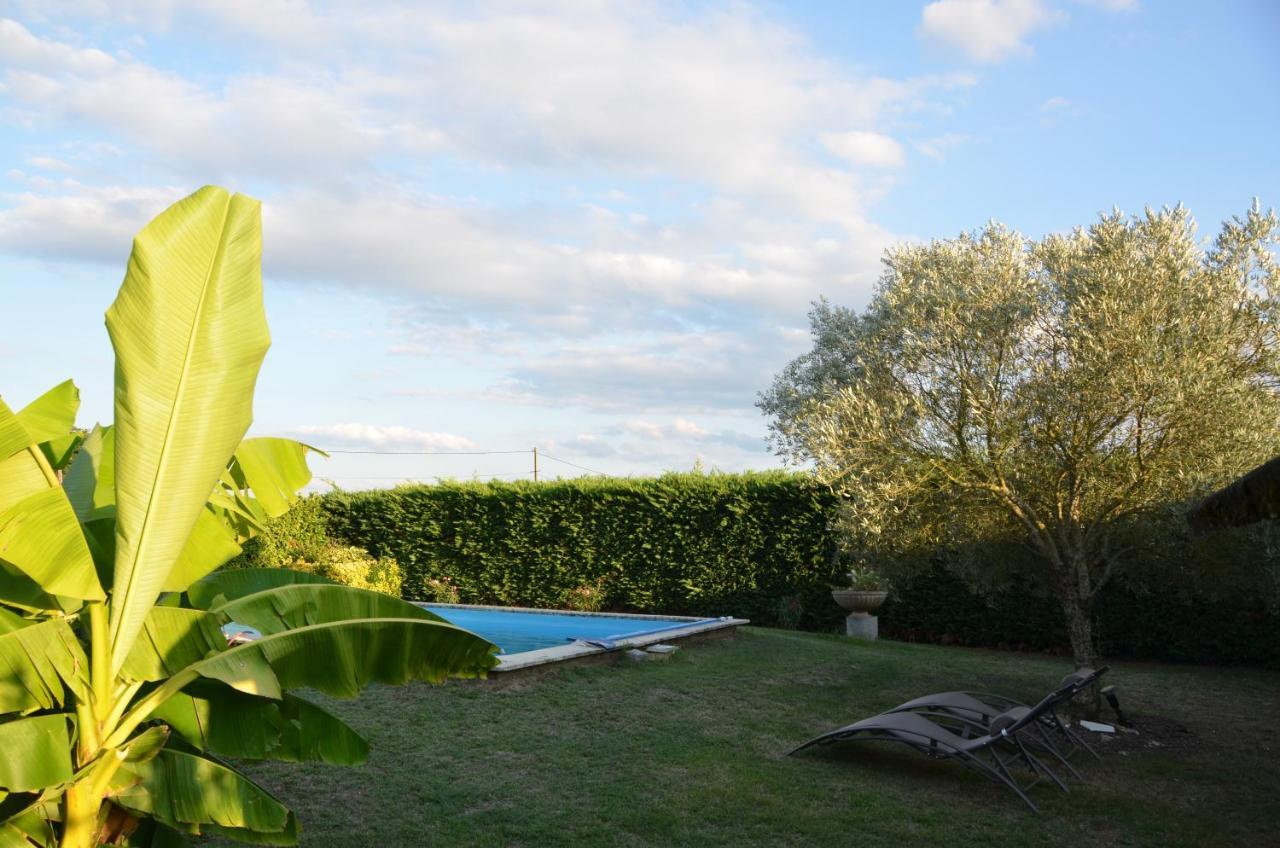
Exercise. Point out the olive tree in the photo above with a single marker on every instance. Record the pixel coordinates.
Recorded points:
(1055, 389)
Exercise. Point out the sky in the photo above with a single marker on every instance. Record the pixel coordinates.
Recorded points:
(594, 228)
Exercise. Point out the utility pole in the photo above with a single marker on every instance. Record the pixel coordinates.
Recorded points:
(535, 463)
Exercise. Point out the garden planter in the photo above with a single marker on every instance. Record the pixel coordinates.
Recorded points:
(860, 603)
(859, 600)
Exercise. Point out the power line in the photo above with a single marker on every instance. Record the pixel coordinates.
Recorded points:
(424, 453)
(412, 479)
(574, 464)
(535, 451)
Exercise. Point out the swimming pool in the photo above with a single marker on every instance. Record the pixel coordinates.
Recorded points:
(532, 637)
(517, 630)
(535, 637)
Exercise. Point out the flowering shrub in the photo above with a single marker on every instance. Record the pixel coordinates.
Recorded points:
(440, 590)
(589, 597)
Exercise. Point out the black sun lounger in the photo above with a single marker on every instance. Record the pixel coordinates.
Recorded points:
(973, 711)
(981, 753)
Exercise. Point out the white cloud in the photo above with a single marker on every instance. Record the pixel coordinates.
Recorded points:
(19, 48)
(861, 147)
(938, 146)
(987, 30)
(378, 437)
(1113, 5)
(608, 207)
(86, 224)
(1055, 110)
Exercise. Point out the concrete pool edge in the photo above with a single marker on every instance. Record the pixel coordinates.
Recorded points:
(580, 651)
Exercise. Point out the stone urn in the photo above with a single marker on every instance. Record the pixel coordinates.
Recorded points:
(859, 600)
(860, 604)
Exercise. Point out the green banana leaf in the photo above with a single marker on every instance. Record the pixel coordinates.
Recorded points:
(52, 415)
(275, 470)
(29, 827)
(10, 621)
(39, 533)
(11, 836)
(239, 582)
(60, 451)
(189, 333)
(211, 544)
(39, 663)
(299, 605)
(20, 591)
(172, 638)
(90, 481)
(343, 657)
(232, 724)
(37, 753)
(188, 792)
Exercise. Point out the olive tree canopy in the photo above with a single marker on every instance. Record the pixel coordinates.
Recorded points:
(1049, 388)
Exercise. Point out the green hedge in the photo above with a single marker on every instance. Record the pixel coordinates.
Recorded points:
(761, 546)
(682, 544)
(1129, 621)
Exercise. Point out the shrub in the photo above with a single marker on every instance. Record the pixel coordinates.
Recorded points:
(586, 598)
(299, 540)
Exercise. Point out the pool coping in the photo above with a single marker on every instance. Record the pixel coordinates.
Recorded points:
(579, 650)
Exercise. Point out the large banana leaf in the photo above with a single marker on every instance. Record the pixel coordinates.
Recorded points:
(90, 481)
(232, 724)
(300, 605)
(223, 586)
(211, 544)
(53, 414)
(172, 638)
(39, 533)
(10, 621)
(32, 826)
(343, 657)
(275, 469)
(37, 753)
(189, 333)
(37, 664)
(19, 590)
(188, 791)
(50, 419)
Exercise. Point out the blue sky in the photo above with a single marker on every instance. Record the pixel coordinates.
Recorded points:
(591, 227)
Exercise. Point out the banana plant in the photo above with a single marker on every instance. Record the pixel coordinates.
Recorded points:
(120, 694)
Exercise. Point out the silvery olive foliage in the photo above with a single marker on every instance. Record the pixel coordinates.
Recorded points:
(1049, 388)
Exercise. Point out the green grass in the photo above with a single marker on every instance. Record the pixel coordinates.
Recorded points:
(689, 752)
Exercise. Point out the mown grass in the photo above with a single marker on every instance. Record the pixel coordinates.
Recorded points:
(690, 752)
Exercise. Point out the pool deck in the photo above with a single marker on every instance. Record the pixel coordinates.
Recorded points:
(579, 652)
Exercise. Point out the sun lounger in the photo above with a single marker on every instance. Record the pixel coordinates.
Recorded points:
(971, 713)
(990, 754)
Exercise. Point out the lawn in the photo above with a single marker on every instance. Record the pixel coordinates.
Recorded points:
(690, 752)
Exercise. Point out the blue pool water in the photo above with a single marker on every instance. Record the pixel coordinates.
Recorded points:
(516, 631)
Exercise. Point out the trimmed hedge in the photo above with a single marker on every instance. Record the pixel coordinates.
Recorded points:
(761, 546)
(681, 544)
(1161, 623)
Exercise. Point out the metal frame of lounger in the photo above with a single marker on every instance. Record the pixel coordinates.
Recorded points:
(973, 712)
(937, 742)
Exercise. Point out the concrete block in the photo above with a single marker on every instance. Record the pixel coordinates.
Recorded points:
(862, 625)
